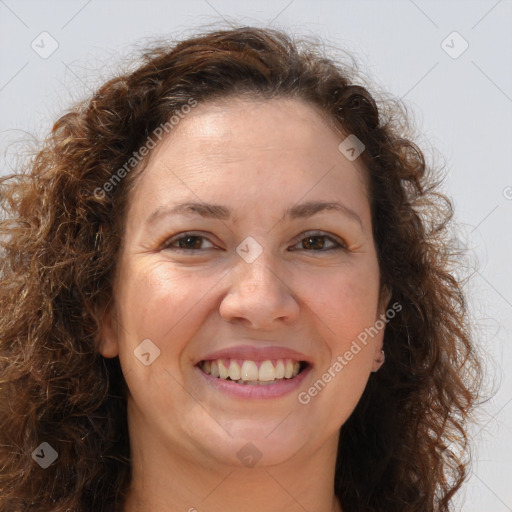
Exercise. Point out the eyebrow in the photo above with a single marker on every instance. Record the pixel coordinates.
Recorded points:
(214, 211)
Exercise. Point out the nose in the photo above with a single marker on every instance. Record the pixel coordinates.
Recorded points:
(259, 296)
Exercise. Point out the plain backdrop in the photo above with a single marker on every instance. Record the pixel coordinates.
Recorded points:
(449, 61)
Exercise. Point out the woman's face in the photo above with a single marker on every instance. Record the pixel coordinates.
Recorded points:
(255, 282)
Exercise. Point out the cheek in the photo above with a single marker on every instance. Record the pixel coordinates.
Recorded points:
(347, 315)
(157, 304)
(349, 309)
(344, 300)
(161, 306)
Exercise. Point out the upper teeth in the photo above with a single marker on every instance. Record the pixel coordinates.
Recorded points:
(248, 370)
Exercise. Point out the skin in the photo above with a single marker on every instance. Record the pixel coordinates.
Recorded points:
(257, 158)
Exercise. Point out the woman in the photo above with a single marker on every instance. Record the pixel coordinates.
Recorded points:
(225, 285)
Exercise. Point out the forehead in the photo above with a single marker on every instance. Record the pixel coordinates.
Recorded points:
(239, 125)
(244, 146)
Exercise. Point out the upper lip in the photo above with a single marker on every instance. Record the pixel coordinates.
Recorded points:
(256, 353)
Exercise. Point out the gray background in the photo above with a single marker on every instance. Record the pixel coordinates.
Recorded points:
(462, 107)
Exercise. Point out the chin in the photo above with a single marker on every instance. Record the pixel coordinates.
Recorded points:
(251, 444)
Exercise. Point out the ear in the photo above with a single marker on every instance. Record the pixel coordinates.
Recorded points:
(379, 356)
(108, 332)
(384, 299)
(378, 360)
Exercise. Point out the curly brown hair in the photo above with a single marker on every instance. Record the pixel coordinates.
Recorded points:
(405, 445)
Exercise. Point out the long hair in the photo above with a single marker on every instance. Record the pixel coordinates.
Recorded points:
(403, 448)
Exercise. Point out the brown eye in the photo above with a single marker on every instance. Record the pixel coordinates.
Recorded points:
(186, 242)
(314, 242)
(190, 242)
(319, 242)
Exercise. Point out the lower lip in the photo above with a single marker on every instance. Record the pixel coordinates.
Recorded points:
(249, 391)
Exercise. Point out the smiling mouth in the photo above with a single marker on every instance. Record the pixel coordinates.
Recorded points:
(256, 373)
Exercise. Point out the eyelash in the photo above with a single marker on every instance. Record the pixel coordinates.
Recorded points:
(308, 234)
